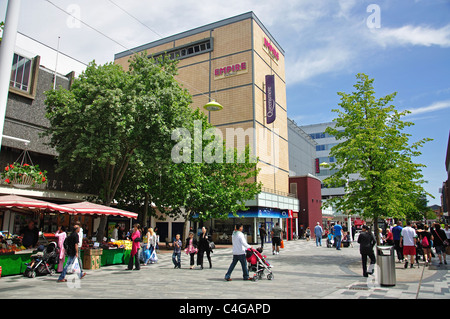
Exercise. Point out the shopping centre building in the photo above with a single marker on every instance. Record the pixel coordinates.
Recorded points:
(240, 65)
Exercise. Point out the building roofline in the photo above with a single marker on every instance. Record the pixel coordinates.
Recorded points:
(207, 27)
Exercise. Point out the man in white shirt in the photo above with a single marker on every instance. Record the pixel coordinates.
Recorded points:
(408, 242)
(240, 245)
(80, 243)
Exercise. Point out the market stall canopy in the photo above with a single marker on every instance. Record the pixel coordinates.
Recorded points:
(25, 204)
(96, 209)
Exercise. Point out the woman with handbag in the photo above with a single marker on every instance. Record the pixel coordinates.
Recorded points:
(203, 246)
(191, 248)
(440, 242)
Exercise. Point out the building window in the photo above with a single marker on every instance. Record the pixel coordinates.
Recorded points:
(21, 73)
(188, 50)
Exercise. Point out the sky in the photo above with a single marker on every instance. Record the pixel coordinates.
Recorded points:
(404, 45)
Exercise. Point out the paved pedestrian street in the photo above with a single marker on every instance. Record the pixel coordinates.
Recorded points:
(301, 271)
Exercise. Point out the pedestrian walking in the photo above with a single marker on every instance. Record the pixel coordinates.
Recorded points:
(337, 235)
(262, 235)
(438, 240)
(318, 232)
(425, 241)
(151, 246)
(61, 235)
(240, 245)
(72, 254)
(408, 242)
(203, 247)
(80, 242)
(176, 255)
(447, 233)
(366, 242)
(191, 248)
(277, 234)
(396, 235)
(134, 257)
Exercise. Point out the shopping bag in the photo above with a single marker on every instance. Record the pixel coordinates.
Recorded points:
(146, 254)
(153, 257)
(74, 268)
(282, 244)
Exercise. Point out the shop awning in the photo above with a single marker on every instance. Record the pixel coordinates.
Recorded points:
(89, 208)
(25, 204)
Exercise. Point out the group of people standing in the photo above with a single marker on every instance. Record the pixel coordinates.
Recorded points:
(415, 240)
(143, 247)
(194, 246)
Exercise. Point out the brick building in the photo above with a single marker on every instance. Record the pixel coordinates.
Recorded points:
(228, 61)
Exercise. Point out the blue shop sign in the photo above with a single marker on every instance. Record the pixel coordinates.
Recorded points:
(259, 212)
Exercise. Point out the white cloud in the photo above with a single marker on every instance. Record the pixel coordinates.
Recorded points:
(436, 106)
(413, 35)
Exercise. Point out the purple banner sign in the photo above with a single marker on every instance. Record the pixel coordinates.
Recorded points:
(270, 99)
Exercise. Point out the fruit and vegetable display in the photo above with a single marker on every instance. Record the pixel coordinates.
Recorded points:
(121, 244)
(10, 244)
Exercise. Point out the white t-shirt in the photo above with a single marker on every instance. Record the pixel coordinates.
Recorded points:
(447, 233)
(408, 234)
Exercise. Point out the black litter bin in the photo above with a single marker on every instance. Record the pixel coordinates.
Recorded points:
(386, 264)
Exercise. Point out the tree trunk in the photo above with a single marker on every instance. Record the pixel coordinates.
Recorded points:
(375, 230)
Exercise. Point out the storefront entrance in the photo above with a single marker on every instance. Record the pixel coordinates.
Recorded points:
(269, 226)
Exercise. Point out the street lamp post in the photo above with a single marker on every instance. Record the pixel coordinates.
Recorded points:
(6, 55)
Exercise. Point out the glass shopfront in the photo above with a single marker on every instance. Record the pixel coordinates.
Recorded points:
(252, 219)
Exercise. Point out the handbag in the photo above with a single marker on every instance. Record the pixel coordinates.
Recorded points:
(444, 242)
(212, 245)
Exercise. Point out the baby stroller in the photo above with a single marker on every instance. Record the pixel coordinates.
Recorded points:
(43, 262)
(257, 263)
(330, 241)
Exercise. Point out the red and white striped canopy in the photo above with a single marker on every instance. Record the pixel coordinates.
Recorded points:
(96, 209)
(30, 204)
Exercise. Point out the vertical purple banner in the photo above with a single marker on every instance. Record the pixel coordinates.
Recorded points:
(270, 99)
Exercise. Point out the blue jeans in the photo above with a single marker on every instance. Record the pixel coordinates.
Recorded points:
(318, 240)
(338, 239)
(176, 259)
(70, 260)
(243, 261)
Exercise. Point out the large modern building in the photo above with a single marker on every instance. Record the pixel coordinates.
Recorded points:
(323, 148)
(239, 64)
(303, 166)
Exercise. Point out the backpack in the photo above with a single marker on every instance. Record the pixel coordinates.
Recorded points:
(425, 242)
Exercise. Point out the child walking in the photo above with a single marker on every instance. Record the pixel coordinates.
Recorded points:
(176, 256)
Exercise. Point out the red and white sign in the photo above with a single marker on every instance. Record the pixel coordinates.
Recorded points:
(271, 49)
(229, 70)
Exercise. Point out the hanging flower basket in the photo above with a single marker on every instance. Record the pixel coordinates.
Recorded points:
(23, 176)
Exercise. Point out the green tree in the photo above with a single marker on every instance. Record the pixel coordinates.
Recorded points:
(109, 115)
(206, 188)
(374, 146)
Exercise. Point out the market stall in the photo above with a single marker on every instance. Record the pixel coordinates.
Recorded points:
(113, 252)
(94, 253)
(14, 253)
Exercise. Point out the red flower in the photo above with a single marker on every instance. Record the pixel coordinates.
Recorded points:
(12, 166)
(43, 179)
(26, 165)
(7, 168)
(7, 181)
